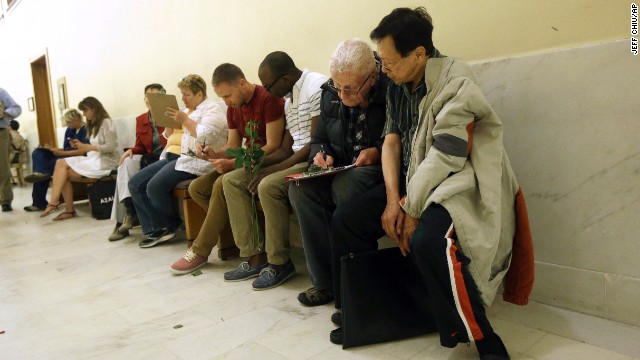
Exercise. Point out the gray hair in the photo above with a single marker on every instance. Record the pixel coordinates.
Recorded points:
(353, 55)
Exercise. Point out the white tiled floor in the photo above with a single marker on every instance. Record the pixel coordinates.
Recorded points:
(68, 293)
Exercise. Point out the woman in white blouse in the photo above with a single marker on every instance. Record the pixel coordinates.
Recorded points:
(204, 122)
(101, 157)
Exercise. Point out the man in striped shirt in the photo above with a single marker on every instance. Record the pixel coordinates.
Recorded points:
(301, 88)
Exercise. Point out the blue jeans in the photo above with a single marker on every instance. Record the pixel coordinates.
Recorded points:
(151, 191)
(43, 161)
(314, 201)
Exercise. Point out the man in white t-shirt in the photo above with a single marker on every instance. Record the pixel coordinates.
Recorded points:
(301, 88)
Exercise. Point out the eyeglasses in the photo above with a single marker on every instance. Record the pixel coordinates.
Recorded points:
(349, 92)
(273, 83)
(389, 68)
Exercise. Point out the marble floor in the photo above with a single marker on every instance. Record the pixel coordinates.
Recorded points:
(68, 293)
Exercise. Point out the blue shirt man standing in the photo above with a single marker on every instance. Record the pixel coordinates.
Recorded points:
(9, 110)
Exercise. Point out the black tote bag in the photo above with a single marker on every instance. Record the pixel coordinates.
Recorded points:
(101, 199)
(384, 298)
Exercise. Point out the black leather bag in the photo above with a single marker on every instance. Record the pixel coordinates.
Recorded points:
(384, 298)
(148, 159)
(101, 199)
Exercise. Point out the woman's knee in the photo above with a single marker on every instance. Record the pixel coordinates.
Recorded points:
(61, 163)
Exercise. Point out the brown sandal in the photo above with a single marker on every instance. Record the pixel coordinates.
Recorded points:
(65, 215)
(49, 209)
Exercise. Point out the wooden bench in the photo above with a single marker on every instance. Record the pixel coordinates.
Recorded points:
(194, 216)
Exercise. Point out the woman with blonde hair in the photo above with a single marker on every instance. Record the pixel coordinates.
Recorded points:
(43, 158)
(205, 123)
(101, 157)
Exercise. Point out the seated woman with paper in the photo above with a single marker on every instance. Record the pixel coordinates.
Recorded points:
(204, 122)
(44, 157)
(101, 157)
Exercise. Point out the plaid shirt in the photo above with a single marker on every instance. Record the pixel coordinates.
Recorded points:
(357, 132)
(402, 114)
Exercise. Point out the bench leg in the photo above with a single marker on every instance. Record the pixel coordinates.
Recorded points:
(227, 248)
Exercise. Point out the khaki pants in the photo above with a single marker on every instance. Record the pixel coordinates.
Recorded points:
(273, 194)
(6, 189)
(206, 191)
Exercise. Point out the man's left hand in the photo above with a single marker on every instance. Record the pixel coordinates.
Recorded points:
(408, 228)
(253, 185)
(223, 165)
(368, 157)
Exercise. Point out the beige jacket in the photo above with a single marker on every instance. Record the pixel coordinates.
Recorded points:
(459, 162)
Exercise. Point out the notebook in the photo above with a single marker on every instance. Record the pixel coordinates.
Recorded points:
(158, 104)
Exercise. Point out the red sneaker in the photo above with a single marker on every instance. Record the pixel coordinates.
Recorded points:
(189, 262)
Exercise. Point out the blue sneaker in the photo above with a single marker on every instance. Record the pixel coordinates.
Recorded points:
(244, 272)
(270, 277)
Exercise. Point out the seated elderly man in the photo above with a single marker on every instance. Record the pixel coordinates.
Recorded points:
(302, 89)
(352, 117)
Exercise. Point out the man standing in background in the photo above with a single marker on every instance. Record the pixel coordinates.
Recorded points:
(9, 110)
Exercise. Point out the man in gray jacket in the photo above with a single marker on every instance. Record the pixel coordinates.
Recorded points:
(451, 195)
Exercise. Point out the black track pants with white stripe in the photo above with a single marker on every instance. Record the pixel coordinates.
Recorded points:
(453, 293)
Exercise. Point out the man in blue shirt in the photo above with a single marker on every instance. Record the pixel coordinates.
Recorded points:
(9, 110)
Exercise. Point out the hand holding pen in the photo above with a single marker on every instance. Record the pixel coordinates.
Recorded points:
(322, 159)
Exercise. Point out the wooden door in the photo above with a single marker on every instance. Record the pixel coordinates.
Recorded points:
(44, 104)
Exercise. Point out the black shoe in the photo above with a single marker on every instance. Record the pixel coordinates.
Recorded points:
(157, 237)
(336, 336)
(336, 318)
(6, 207)
(493, 350)
(315, 297)
(37, 177)
(32, 208)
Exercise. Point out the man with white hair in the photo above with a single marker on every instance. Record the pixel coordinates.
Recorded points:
(352, 116)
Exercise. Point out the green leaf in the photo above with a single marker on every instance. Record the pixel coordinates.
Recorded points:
(239, 162)
(232, 152)
(196, 273)
(258, 153)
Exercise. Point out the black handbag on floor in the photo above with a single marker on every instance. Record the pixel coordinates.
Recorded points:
(101, 198)
(384, 298)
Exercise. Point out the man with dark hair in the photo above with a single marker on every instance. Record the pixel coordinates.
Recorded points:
(146, 150)
(450, 191)
(227, 73)
(280, 77)
(245, 101)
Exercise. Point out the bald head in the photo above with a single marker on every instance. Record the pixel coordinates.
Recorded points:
(278, 73)
(279, 62)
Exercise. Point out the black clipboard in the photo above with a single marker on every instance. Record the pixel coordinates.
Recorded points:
(324, 172)
(158, 104)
